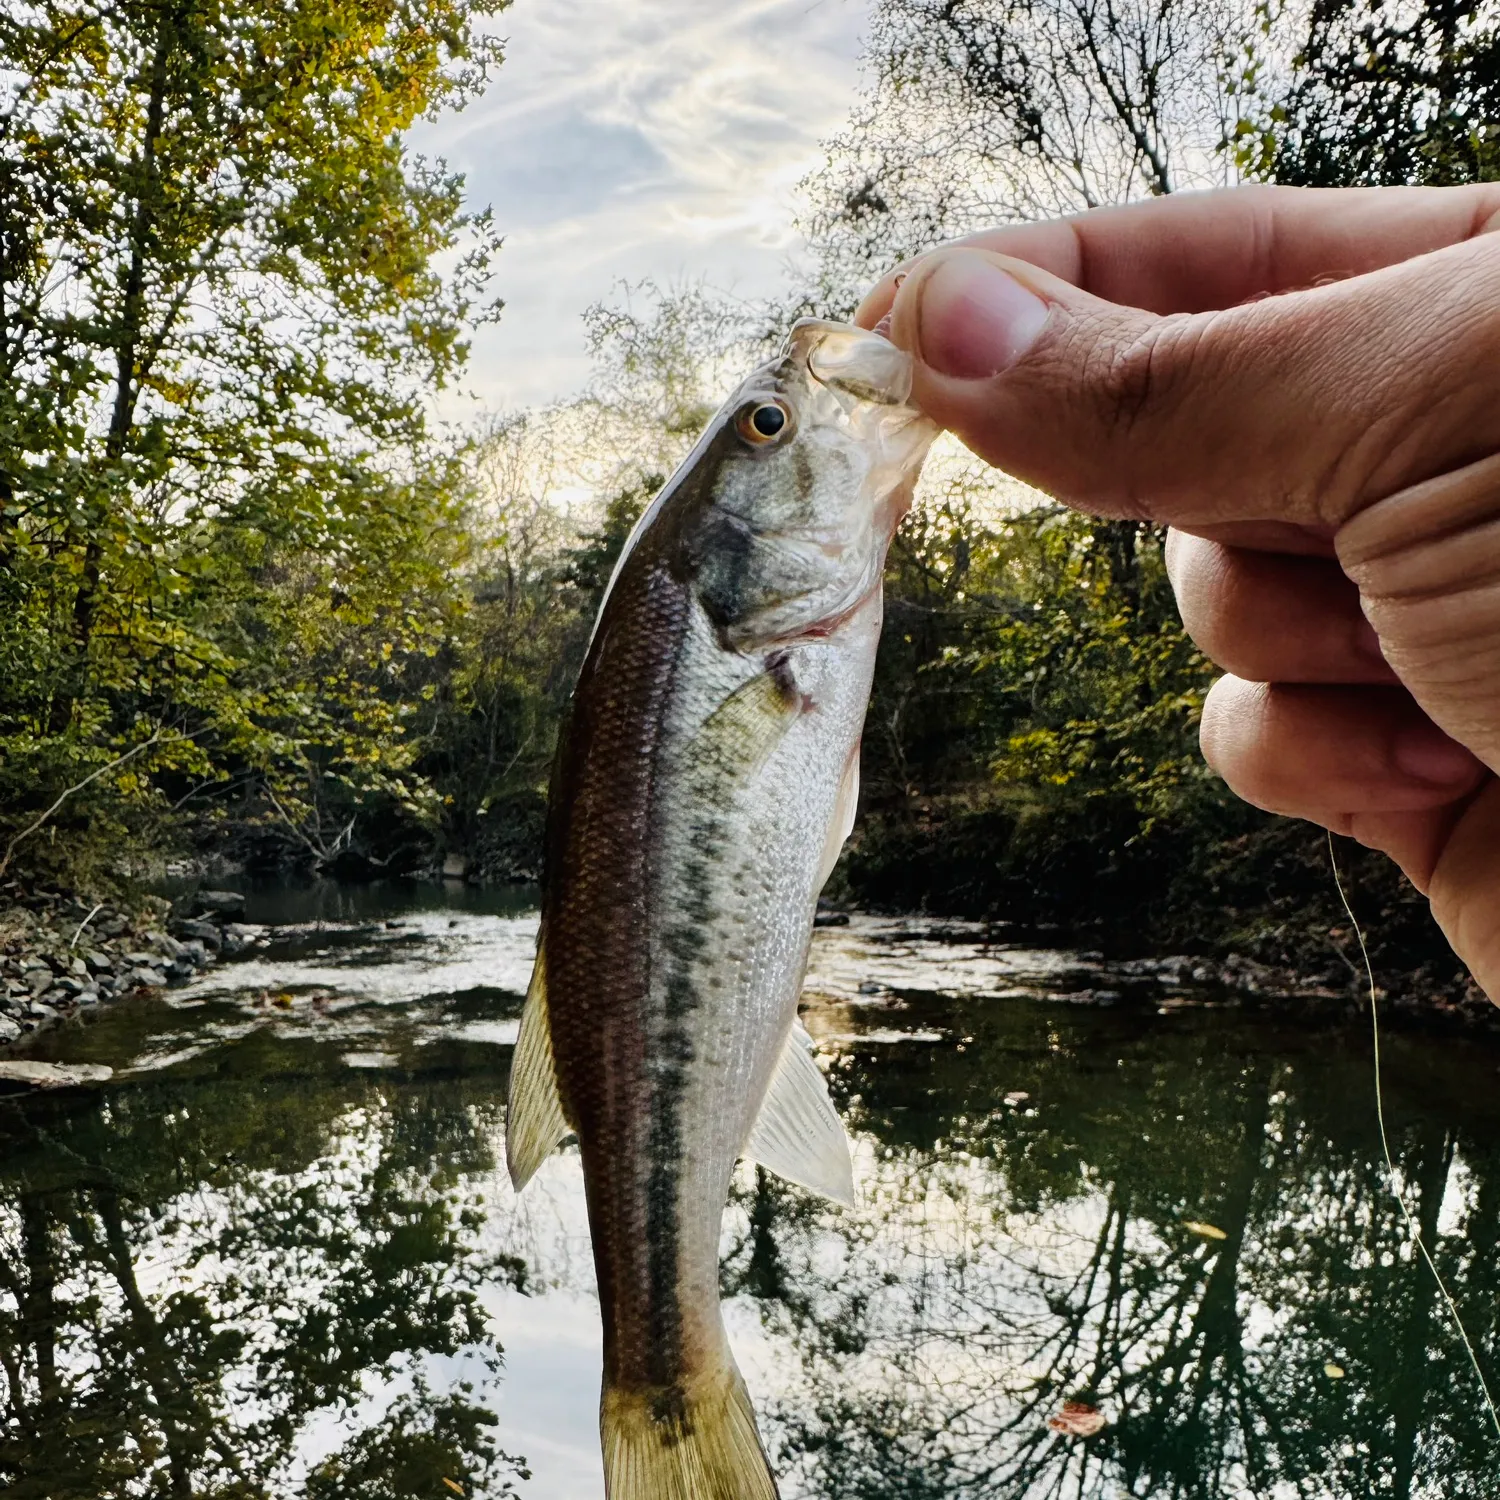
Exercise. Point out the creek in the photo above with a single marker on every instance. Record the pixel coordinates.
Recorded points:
(276, 1253)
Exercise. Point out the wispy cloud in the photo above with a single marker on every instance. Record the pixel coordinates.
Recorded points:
(658, 138)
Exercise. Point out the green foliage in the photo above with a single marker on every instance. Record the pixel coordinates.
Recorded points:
(1377, 94)
(1066, 656)
(223, 517)
(1032, 741)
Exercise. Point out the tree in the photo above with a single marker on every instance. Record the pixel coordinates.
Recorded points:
(1377, 94)
(220, 320)
(984, 111)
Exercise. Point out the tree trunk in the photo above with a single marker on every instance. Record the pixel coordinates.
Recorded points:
(126, 384)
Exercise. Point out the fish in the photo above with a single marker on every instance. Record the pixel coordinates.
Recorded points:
(706, 780)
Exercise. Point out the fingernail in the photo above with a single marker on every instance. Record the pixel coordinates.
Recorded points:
(1427, 754)
(975, 320)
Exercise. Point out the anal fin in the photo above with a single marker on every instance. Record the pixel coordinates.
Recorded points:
(799, 1135)
(535, 1121)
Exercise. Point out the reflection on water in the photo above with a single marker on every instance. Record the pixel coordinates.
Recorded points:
(276, 1255)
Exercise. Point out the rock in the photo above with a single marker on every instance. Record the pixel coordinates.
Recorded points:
(143, 979)
(195, 952)
(99, 963)
(831, 919)
(238, 937)
(39, 1010)
(9, 1030)
(219, 901)
(179, 971)
(39, 980)
(69, 984)
(205, 932)
(169, 946)
(112, 926)
(46, 1075)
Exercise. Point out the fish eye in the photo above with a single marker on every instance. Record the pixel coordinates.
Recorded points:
(764, 422)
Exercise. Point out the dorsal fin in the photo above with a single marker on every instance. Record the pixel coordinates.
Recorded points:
(535, 1122)
(799, 1135)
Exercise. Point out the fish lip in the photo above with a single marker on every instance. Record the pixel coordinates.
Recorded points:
(854, 360)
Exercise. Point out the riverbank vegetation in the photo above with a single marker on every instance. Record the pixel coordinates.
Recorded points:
(256, 601)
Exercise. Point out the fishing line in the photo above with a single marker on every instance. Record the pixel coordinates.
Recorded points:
(1413, 1228)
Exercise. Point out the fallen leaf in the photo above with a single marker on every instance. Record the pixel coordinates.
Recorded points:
(1204, 1231)
(1017, 1096)
(1077, 1419)
(282, 1002)
(1333, 1371)
(457, 1489)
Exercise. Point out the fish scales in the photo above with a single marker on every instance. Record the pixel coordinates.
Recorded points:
(707, 764)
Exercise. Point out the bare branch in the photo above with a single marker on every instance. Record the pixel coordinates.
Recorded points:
(42, 819)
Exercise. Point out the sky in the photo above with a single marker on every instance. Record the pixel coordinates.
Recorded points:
(642, 138)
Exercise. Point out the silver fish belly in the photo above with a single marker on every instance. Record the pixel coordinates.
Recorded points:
(704, 786)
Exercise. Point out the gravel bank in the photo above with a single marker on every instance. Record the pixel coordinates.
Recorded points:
(60, 955)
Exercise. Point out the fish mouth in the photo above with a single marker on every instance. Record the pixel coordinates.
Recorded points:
(863, 364)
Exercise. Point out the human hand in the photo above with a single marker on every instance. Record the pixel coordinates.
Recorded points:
(1306, 386)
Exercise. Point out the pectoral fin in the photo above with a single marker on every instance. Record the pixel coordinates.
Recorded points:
(842, 823)
(739, 736)
(534, 1121)
(799, 1135)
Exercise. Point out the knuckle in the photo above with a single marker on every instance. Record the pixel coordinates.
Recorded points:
(1137, 375)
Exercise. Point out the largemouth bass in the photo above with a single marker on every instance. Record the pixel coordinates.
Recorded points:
(706, 781)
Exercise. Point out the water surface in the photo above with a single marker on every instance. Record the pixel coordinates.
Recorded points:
(276, 1255)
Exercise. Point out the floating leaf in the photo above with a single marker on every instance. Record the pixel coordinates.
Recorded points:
(453, 1485)
(1204, 1231)
(1077, 1419)
(1333, 1371)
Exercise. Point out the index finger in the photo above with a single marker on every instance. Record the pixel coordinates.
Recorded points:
(1199, 252)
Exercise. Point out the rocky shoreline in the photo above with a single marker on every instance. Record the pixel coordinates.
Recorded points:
(60, 955)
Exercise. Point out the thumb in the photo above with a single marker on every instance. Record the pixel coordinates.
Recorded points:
(1301, 407)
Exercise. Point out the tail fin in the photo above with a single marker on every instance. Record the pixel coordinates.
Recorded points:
(670, 1445)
